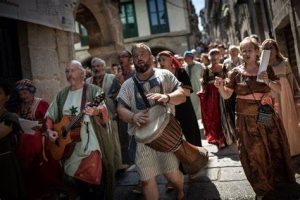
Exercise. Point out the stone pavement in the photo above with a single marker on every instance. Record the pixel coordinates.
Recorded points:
(223, 178)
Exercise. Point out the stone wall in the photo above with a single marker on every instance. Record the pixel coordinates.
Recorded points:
(101, 19)
(267, 19)
(286, 14)
(45, 53)
(176, 44)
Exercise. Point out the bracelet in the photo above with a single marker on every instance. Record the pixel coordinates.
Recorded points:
(169, 98)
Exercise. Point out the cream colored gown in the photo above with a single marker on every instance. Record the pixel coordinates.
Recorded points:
(288, 112)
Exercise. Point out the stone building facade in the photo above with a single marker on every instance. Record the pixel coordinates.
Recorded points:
(285, 28)
(230, 21)
(40, 52)
(100, 19)
(162, 24)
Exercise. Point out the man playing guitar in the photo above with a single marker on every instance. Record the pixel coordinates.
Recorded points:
(92, 144)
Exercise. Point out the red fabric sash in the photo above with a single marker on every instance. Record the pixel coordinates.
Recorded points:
(90, 169)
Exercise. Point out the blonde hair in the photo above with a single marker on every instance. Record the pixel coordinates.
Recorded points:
(253, 41)
(231, 47)
(250, 40)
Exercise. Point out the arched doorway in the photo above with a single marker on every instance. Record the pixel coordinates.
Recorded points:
(156, 50)
(99, 31)
(10, 62)
(88, 24)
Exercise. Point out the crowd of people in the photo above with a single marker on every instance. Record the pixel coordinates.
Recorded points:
(77, 144)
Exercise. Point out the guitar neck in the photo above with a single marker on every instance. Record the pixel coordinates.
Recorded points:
(78, 117)
(74, 121)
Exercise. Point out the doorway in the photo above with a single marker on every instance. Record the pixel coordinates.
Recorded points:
(10, 62)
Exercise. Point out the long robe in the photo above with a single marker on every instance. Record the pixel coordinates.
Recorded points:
(41, 177)
(106, 86)
(195, 72)
(263, 148)
(128, 143)
(185, 113)
(102, 132)
(288, 111)
(218, 125)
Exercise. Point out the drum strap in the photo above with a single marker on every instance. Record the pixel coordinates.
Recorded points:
(141, 91)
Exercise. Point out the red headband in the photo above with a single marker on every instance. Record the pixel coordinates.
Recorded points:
(175, 62)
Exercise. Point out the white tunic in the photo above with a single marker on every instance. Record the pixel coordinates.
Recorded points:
(71, 107)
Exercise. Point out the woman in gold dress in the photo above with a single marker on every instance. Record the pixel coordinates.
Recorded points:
(263, 146)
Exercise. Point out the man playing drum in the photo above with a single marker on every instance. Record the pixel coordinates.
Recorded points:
(160, 87)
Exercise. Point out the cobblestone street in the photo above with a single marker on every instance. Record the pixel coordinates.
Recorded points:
(223, 178)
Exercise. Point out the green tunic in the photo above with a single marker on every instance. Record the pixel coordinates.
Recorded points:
(106, 86)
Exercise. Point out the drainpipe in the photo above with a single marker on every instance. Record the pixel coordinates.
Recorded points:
(187, 2)
(267, 13)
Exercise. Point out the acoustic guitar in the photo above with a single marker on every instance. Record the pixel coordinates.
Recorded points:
(64, 129)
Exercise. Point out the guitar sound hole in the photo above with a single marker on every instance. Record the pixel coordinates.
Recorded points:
(64, 132)
(57, 142)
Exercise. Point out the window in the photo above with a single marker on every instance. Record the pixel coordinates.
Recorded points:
(128, 20)
(84, 37)
(158, 16)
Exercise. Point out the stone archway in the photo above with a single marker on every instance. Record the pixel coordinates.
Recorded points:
(87, 19)
(156, 49)
(101, 19)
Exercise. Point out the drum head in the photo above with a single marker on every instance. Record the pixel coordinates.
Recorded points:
(158, 120)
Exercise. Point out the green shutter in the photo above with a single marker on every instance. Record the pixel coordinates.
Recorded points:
(128, 20)
(158, 16)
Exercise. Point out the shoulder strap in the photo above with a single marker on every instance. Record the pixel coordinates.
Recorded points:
(253, 93)
(141, 91)
(61, 99)
(83, 97)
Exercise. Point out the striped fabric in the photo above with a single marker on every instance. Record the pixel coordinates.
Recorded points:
(149, 162)
(163, 81)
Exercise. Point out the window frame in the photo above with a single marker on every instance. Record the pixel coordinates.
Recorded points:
(160, 28)
(84, 39)
(134, 31)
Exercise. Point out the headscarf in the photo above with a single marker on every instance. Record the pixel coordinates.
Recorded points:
(25, 84)
(175, 62)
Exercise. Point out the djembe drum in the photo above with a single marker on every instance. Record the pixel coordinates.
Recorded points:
(163, 133)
